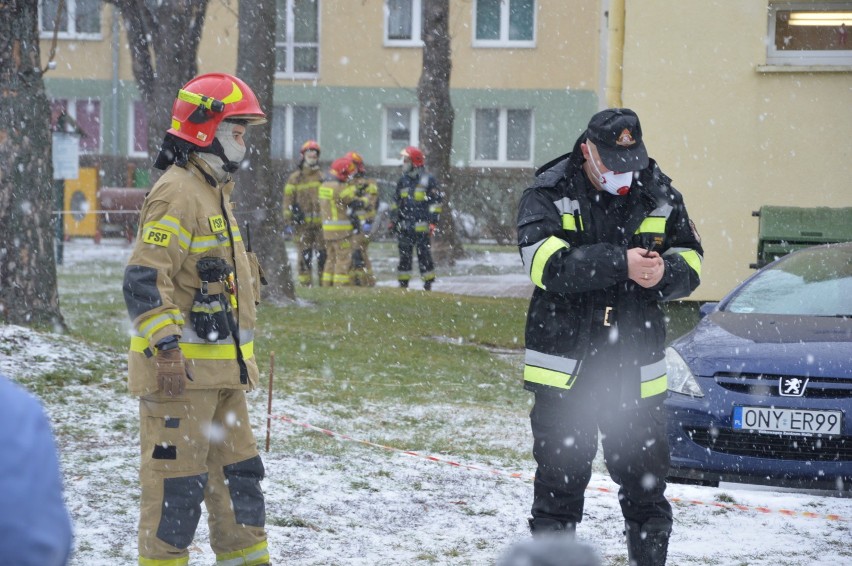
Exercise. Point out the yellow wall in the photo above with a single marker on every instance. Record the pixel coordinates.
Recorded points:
(732, 138)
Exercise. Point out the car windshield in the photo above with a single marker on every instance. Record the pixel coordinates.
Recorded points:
(815, 282)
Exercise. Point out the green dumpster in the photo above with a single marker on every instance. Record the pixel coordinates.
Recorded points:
(783, 229)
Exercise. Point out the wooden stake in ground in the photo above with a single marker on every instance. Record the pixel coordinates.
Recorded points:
(269, 399)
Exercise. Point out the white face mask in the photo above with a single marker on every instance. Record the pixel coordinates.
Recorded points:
(234, 151)
(311, 158)
(612, 182)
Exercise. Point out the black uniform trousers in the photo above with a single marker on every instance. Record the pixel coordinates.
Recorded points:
(565, 426)
(407, 241)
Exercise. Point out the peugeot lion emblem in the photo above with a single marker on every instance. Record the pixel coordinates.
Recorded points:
(792, 386)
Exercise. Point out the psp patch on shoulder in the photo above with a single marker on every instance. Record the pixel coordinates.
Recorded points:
(157, 237)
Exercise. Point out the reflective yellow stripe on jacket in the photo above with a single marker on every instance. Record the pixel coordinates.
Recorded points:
(200, 351)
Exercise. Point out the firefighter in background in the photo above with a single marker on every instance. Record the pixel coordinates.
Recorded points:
(191, 288)
(414, 216)
(361, 273)
(336, 194)
(301, 211)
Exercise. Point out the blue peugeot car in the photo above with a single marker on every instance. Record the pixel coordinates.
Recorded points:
(761, 390)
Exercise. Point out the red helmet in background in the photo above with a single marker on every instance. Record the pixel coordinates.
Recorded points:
(205, 101)
(343, 169)
(356, 158)
(310, 144)
(415, 155)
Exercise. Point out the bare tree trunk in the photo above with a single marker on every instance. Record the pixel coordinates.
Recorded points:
(256, 188)
(436, 119)
(164, 39)
(28, 289)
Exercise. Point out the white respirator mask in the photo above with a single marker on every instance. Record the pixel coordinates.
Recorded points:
(614, 183)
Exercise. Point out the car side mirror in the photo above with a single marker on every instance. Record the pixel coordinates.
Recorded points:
(706, 309)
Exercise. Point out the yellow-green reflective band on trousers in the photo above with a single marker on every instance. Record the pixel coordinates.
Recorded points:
(251, 556)
(654, 379)
(536, 256)
(200, 351)
(183, 561)
(548, 369)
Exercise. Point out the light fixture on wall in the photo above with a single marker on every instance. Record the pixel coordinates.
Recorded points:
(830, 19)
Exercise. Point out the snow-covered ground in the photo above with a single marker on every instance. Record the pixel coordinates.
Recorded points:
(355, 503)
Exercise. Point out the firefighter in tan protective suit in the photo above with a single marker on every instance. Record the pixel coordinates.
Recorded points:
(191, 288)
(337, 204)
(361, 270)
(301, 211)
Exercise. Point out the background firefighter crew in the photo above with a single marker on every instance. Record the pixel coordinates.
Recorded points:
(191, 290)
(302, 212)
(414, 215)
(366, 189)
(336, 195)
(604, 237)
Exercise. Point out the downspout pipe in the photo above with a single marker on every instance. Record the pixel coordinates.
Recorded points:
(116, 149)
(615, 59)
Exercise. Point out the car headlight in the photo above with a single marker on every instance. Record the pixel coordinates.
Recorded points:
(681, 379)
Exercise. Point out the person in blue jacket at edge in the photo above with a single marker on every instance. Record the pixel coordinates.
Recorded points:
(35, 529)
(605, 238)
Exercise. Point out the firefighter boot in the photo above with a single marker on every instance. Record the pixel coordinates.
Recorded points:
(540, 526)
(403, 283)
(647, 544)
(427, 285)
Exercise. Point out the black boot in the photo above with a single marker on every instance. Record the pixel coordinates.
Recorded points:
(540, 526)
(403, 283)
(427, 285)
(648, 544)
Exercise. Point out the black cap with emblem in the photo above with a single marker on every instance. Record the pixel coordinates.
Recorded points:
(617, 136)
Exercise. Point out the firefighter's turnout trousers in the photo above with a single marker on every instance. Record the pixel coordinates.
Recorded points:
(565, 426)
(186, 461)
(309, 245)
(408, 240)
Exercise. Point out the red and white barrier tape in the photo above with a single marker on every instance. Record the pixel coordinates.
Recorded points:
(525, 477)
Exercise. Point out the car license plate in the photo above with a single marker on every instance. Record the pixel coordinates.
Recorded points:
(795, 421)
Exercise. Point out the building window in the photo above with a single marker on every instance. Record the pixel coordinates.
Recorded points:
(292, 126)
(401, 129)
(502, 137)
(83, 118)
(79, 19)
(138, 130)
(504, 23)
(809, 34)
(297, 38)
(404, 23)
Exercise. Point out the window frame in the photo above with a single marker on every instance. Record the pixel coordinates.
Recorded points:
(502, 140)
(290, 149)
(812, 58)
(131, 130)
(504, 41)
(70, 13)
(413, 130)
(416, 26)
(290, 44)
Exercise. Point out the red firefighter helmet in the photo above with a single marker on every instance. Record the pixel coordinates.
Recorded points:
(310, 144)
(343, 169)
(415, 155)
(357, 160)
(205, 101)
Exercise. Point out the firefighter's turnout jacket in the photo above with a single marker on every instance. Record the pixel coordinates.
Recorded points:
(575, 254)
(301, 195)
(187, 216)
(335, 197)
(417, 203)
